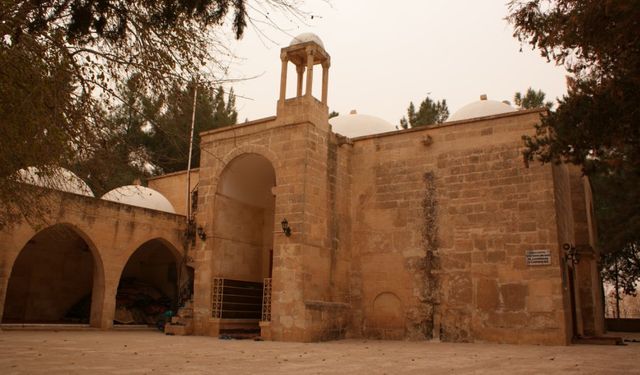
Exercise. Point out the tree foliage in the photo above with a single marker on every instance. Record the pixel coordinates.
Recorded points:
(597, 124)
(61, 62)
(531, 99)
(150, 133)
(429, 113)
(119, 158)
(618, 221)
(168, 149)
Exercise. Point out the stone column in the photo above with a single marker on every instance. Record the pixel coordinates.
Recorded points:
(309, 72)
(5, 274)
(587, 286)
(103, 297)
(300, 69)
(283, 77)
(12, 242)
(325, 81)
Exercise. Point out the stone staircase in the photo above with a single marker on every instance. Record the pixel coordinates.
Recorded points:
(182, 323)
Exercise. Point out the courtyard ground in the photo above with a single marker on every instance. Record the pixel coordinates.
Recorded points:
(145, 352)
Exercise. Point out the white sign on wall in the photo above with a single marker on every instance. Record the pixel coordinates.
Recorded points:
(538, 257)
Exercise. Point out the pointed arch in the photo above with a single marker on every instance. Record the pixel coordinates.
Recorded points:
(150, 281)
(54, 277)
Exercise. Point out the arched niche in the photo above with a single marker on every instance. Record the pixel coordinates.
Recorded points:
(387, 319)
(52, 278)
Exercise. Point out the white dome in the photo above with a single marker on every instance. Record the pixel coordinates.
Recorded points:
(481, 108)
(354, 125)
(60, 179)
(140, 196)
(306, 37)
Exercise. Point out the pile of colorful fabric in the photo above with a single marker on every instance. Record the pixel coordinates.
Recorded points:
(138, 302)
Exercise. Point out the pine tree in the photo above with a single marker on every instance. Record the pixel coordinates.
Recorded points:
(151, 134)
(429, 113)
(531, 99)
(168, 147)
(225, 113)
(121, 157)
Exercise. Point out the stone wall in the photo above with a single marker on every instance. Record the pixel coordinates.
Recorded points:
(238, 240)
(174, 187)
(442, 220)
(415, 234)
(311, 267)
(326, 262)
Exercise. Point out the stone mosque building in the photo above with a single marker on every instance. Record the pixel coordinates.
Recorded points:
(304, 228)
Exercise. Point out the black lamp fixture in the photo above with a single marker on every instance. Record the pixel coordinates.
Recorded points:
(285, 227)
(201, 233)
(571, 253)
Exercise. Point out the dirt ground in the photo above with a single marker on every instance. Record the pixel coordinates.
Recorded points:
(145, 352)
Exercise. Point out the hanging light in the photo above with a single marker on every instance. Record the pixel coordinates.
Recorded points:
(285, 227)
(201, 233)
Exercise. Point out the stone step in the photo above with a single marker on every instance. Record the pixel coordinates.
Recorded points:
(599, 340)
(238, 325)
(185, 312)
(45, 327)
(134, 327)
(180, 320)
(178, 329)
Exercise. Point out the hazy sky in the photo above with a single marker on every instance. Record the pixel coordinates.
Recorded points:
(385, 54)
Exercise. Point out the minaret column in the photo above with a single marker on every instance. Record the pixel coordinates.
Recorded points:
(283, 77)
(300, 70)
(309, 71)
(325, 80)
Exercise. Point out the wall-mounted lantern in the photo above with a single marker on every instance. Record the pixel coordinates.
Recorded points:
(570, 253)
(201, 233)
(285, 227)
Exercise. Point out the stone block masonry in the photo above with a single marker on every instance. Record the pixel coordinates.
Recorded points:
(445, 228)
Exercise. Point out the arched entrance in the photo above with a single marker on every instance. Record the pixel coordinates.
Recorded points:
(52, 279)
(149, 285)
(243, 241)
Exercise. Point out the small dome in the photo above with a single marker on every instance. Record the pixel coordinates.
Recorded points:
(354, 125)
(140, 196)
(481, 108)
(306, 37)
(60, 179)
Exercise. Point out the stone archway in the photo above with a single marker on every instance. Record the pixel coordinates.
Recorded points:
(53, 279)
(243, 225)
(149, 284)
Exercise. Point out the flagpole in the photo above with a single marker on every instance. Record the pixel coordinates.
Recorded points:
(193, 122)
